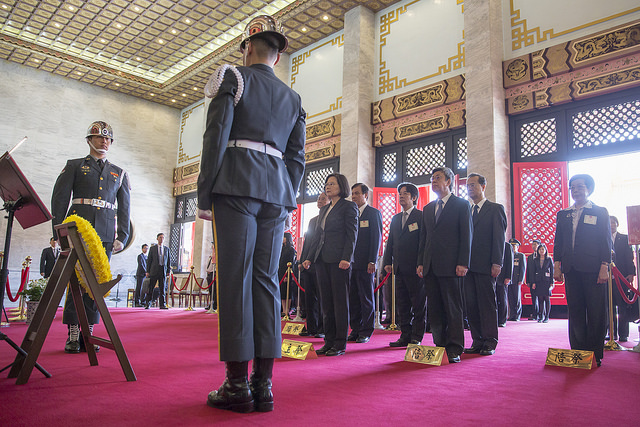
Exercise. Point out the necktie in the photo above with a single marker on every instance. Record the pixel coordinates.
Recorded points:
(405, 216)
(160, 250)
(101, 164)
(439, 209)
(475, 211)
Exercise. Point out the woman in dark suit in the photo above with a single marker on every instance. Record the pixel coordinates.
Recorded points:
(288, 255)
(582, 253)
(543, 283)
(332, 253)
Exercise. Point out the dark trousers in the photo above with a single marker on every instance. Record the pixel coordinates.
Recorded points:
(213, 293)
(586, 303)
(334, 289)
(515, 301)
(312, 300)
(444, 308)
(160, 280)
(534, 303)
(69, 313)
(248, 235)
(480, 295)
(361, 305)
(136, 293)
(621, 314)
(502, 302)
(544, 306)
(411, 303)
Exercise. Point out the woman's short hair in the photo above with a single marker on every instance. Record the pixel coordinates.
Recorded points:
(288, 239)
(345, 190)
(588, 181)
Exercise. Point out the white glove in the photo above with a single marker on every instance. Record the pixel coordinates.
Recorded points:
(206, 215)
(117, 246)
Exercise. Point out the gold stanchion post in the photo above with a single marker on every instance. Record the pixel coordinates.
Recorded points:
(190, 288)
(286, 313)
(611, 345)
(393, 326)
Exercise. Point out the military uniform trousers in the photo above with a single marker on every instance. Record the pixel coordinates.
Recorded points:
(248, 235)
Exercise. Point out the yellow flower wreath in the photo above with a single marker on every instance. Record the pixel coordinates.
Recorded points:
(95, 252)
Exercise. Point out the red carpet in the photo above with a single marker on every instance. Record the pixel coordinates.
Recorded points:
(174, 355)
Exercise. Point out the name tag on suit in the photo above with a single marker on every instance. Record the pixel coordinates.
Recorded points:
(413, 227)
(364, 223)
(590, 219)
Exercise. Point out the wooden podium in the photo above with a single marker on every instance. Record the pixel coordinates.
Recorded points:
(72, 251)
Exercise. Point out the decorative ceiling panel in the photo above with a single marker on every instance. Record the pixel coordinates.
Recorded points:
(162, 50)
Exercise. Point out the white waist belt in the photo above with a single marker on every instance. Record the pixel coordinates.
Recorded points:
(99, 203)
(257, 146)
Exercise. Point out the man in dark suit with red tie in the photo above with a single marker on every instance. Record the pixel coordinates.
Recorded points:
(623, 259)
(402, 250)
(361, 304)
(159, 265)
(445, 245)
(487, 254)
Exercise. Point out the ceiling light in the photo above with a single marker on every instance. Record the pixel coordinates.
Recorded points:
(325, 17)
(33, 59)
(184, 94)
(138, 58)
(70, 8)
(195, 88)
(188, 21)
(152, 94)
(103, 41)
(174, 32)
(119, 25)
(118, 84)
(173, 100)
(56, 25)
(160, 41)
(78, 73)
(4, 6)
(136, 8)
(304, 29)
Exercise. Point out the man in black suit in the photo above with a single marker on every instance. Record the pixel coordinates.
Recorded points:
(251, 166)
(141, 273)
(445, 245)
(401, 252)
(517, 278)
(310, 278)
(582, 253)
(530, 277)
(159, 265)
(487, 253)
(48, 258)
(502, 285)
(624, 261)
(365, 256)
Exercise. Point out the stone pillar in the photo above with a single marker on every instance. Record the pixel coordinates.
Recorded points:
(282, 69)
(357, 155)
(487, 122)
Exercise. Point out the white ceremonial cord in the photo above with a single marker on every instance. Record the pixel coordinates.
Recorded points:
(213, 85)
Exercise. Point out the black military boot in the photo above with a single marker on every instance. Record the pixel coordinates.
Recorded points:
(234, 393)
(261, 384)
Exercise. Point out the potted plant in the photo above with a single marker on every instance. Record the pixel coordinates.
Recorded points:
(33, 292)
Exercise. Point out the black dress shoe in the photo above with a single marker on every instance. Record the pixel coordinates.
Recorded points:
(146, 306)
(72, 347)
(319, 335)
(334, 352)
(472, 350)
(502, 325)
(323, 350)
(454, 359)
(352, 338)
(399, 343)
(164, 307)
(304, 333)
(487, 351)
(363, 340)
(416, 342)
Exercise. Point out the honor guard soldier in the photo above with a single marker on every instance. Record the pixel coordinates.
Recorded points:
(251, 167)
(99, 192)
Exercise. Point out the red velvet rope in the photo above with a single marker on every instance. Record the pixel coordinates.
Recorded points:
(173, 279)
(205, 288)
(294, 280)
(620, 278)
(383, 282)
(24, 276)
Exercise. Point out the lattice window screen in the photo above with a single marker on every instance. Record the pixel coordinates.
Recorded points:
(180, 210)
(538, 138)
(295, 227)
(315, 181)
(606, 125)
(541, 198)
(387, 205)
(462, 188)
(192, 207)
(174, 246)
(390, 167)
(422, 160)
(463, 159)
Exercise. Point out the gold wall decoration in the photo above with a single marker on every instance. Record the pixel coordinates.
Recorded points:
(517, 69)
(605, 45)
(321, 154)
(299, 60)
(523, 36)
(332, 107)
(319, 130)
(520, 104)
(415, 130)
(186, 171)
(182, 156)
(388, 83)
(621, 78)
(430, 96)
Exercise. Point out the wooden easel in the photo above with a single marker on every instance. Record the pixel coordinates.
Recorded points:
(72, 251)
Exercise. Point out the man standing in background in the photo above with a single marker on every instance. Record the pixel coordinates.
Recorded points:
(623, 259)
(159, 266)
(141, 273)
(517, 278)
(48, 258)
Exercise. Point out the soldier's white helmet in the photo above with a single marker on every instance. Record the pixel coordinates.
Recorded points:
(100, 128)
(263, 25)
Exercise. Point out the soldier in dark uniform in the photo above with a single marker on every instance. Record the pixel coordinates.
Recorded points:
(252, 164)
(99, 192)
(514, 293)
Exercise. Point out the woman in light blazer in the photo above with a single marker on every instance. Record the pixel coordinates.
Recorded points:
(332, 253)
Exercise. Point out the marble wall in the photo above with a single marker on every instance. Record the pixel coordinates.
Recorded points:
(55, 112)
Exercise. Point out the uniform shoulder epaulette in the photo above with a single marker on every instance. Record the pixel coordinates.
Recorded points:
(213, 85)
